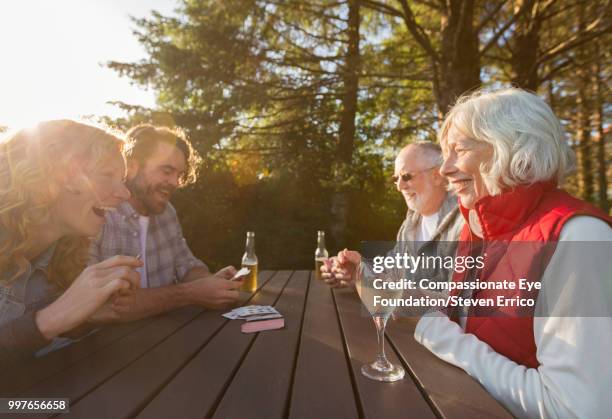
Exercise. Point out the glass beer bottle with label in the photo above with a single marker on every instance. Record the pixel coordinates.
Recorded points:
(320, 254)
(249, 260)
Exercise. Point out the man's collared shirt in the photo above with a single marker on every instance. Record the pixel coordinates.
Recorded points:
(168, 256)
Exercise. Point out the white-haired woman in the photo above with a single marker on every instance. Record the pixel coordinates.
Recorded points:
(505, 155)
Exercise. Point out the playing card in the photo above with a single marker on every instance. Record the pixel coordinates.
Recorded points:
(245, 311)
(249, 312)
(263, 317)
(241, 272)
(255, 310)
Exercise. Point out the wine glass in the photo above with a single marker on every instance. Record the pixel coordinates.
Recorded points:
(381, 369)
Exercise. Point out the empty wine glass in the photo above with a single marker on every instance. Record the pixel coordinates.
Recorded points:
(381, 369)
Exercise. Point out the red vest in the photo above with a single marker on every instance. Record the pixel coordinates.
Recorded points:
(520, 229)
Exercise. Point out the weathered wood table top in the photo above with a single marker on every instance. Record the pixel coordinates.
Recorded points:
(193, 363)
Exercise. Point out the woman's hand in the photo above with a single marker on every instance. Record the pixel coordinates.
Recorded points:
(89, 291)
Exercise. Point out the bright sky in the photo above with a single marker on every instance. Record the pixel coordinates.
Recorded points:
(51, 53)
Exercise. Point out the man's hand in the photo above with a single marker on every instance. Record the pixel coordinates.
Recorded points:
(200, 272)
(214, 292)
(210, 292)
(339, 271)
(128, 305)
(196, 273)
(226, 273)
(105, 314)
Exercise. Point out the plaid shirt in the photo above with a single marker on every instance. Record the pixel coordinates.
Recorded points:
(168, 258)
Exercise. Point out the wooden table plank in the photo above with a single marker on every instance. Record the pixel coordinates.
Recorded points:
(196, 389)
(322, 385)
(91, 372)
(86, 375)
(454, 393)
(126, 393)
(16, 382)
(262, 385)
(378, 400)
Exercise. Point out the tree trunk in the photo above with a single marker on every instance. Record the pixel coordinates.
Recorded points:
(455, 65)
(526, 45)
(351, 86)
(583, 123)
(459, 63)
(598, 88)
(340, 202)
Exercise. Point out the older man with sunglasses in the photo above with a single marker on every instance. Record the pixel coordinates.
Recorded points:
(432, 223)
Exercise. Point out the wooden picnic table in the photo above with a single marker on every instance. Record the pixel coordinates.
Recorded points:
(193, 363)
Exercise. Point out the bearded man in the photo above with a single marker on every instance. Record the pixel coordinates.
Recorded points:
(159, 161)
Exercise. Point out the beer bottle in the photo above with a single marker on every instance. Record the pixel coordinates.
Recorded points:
(320, 254)
(249, 260)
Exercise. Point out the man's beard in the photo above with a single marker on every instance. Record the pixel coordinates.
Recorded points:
(414, 204)
(143, 192)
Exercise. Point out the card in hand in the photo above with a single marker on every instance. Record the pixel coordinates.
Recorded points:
(242, 272)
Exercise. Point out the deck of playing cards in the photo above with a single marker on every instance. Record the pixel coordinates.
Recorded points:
(262, 325)
(257, 318)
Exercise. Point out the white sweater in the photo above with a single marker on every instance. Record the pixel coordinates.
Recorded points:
(574, 379)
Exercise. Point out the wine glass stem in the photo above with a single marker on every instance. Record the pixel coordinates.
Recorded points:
(381, 323)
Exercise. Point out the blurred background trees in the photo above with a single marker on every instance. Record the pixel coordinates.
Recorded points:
(299, 107)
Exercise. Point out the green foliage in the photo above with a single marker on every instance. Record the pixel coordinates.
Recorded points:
(259, 86)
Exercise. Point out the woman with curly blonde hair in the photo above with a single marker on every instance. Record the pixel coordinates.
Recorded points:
(57, 180)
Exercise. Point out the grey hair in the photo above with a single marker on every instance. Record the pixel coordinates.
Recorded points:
(430, 149)
(528, 141)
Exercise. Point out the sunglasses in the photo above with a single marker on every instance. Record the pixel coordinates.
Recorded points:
(407, 177)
